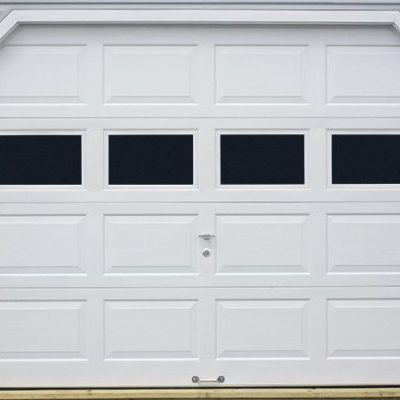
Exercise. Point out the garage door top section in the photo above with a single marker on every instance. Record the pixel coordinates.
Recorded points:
(202, 71)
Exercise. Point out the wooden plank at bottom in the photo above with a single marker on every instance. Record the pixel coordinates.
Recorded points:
(260, 393)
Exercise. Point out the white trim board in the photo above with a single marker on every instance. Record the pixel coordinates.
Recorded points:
(18, 17)
(237, 2)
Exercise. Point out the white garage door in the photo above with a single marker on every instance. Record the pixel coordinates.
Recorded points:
(123, 147)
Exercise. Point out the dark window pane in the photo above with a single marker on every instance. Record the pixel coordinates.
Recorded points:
(151, 159)
(262, 159)
(40, 160)
(365, 159)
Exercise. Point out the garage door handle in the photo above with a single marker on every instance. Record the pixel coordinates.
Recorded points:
(196, 379)
(206, 236)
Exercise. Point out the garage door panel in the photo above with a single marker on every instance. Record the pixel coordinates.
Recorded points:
(43, 244)
(202, 71)
(363, 328)
(90, 245)
(261, 74)
(268, 244)
(51, 74)
(50, 245)
(306, 245)
(362, 244)
(146, 245)
(262, 244)
(363, 74)
(108, 328)
(150, 244)
(267, 329)
(151, 329)
(142, 74)
(43, 330)
(251, 336)
(361, 335)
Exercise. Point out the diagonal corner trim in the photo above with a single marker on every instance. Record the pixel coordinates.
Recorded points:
(17, 17)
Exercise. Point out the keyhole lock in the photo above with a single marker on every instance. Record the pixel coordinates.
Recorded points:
(206, 252)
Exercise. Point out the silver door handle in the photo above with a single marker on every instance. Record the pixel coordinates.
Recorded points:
(196, 379)
(206, 236)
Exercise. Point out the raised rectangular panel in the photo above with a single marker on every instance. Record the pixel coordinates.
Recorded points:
(151, 329)
(146, 244)
(42, 244)
(363, 328)
(162, 74)
(262, 328)
(262, 244)
(363, 74)
(42, 74)
(363, 244)
(260, 74)
(45, 329)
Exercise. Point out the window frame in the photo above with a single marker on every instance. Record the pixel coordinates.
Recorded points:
(132, 187)
(262, 187)
(47, 132)
(355, 186)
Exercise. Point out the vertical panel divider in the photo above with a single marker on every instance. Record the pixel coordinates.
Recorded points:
(206, 152)
(95, 158)
(318, 163)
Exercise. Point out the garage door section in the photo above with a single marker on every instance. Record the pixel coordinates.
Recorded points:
(199, 201)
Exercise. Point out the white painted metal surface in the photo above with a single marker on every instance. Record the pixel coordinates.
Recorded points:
(107, 286)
